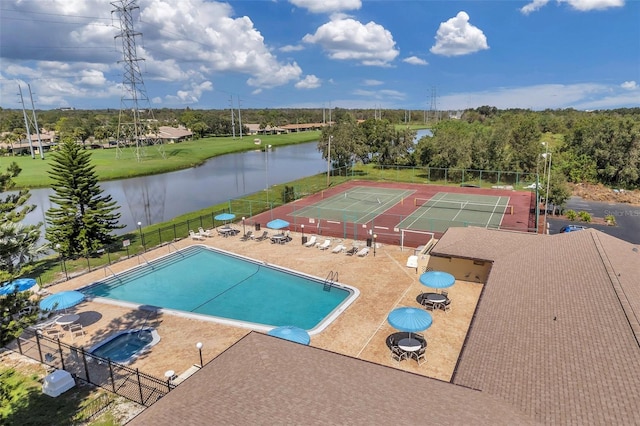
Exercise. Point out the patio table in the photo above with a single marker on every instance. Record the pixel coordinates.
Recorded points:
(436, 298)
(409, 344)
(67, 319)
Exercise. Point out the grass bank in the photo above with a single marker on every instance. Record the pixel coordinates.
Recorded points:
(177, 156)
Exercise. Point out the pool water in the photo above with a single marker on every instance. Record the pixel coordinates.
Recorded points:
(124, 346)
(210, 282)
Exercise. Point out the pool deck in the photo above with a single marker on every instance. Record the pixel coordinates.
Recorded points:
(384, 281)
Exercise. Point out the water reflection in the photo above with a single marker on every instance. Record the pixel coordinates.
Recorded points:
(154, 199)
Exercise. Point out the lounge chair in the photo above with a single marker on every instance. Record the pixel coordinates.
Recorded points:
(363, 252)
(264, 236)
(325, 245)
(204, 233)
(311, 242)
(352, 251)
(246, 236)
(195, 236)
(338, 249)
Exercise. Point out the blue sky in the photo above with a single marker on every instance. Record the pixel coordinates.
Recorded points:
(536, 54)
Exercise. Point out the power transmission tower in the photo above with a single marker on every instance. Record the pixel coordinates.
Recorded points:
(239, 118)
(433, 109)
(233, 120)
(137, 127)
(31, 122)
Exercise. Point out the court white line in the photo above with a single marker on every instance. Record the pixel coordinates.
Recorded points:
(442, 197)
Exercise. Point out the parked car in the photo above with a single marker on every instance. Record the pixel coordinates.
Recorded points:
(571, 228)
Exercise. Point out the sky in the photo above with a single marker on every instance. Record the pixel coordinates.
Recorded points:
(387, 54)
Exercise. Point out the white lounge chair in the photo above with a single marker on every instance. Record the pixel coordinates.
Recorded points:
(339, 248)
(195, 236)
(325, 245)
(412, 262)
(363, 252)
(311, 242)
(204, 233)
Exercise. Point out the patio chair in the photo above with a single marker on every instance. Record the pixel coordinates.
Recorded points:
(338, 249)
(204, 233)
(264, 236)
(363, 252)
(325, 245)
(421, 355)
(246, 236)
(53, 331)
(398, 354)
(352, 251)
(195, 236)
(311, 242)
(446, 306)
(76, 330)
(428, 304)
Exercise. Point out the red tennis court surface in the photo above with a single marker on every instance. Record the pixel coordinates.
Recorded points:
(384, 225)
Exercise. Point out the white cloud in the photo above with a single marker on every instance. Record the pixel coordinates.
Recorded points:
(292, 48)
(92, 78)
(629, 85)
(371, 82)
(384, 94)
(457, 37)
(533, 6)
(348, 39)
(325, 6)
(586, 5)
(581, 5)
(542, 96)
(414, 60)
(309, 82)
(192, 93)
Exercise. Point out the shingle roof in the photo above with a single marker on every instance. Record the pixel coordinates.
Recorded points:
(266, 380)
(550, 334)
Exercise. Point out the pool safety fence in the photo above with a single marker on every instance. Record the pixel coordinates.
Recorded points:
(120, 379)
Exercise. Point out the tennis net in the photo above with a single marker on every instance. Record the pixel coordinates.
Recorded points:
(464, 205)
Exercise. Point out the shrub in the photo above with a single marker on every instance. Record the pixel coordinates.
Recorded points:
(571, 215)
(610, 219)
(584, 216)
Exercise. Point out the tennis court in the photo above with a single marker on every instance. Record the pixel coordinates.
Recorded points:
(445, 210)
(359, 204)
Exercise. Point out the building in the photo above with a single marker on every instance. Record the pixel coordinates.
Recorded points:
(554, 340)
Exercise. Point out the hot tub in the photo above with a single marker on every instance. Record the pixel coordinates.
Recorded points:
(125, 346)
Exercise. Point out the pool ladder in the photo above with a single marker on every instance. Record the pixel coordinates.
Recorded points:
(330, 280)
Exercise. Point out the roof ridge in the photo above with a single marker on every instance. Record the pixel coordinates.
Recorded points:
(627, 308)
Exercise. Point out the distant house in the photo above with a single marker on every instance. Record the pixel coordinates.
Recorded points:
(173, 134)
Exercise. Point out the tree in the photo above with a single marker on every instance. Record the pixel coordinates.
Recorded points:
(84, 219)
(17, 251)
(347, 142)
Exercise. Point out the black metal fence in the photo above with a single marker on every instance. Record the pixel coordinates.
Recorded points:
(120, 379)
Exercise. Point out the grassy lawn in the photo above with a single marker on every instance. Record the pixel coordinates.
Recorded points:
(177, 156)
(23, 403)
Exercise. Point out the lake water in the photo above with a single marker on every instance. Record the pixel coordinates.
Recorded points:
(158, 198)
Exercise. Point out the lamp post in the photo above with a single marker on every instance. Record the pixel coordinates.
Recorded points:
(141, 236)
(329, 160)
(244, 232)
(199, 346)
(63, 264)
(266, 170)
(374, 244)
(546, 198)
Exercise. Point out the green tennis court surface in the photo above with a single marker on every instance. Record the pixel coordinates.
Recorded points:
(445, 209)
(359, 204)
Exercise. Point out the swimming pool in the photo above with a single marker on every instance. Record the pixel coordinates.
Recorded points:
(125, 346)
(228, 288)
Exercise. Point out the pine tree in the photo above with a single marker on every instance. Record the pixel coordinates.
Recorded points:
(17, 251)
(84, 219)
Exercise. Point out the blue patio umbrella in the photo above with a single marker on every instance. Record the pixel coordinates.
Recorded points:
(223, 217)
(410, 319)
(21, 284)
(277, 224)
(62, 300)
(437, 279)
(289, 332)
